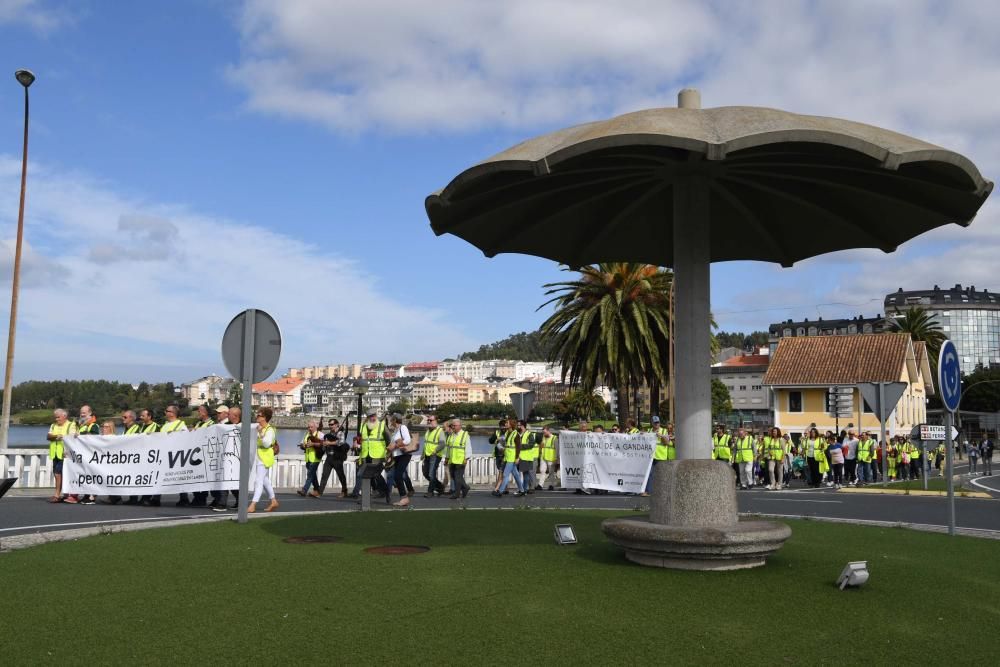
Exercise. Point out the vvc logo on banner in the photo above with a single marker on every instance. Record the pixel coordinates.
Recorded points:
(207, 459)
(608, 461)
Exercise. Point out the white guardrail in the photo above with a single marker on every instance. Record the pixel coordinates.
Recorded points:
(33, 470)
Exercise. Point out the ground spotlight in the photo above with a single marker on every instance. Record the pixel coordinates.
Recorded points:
(565, 534)
(855, 574)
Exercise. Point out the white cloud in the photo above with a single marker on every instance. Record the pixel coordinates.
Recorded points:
(922, 67)
(39, 16)
(103, 301)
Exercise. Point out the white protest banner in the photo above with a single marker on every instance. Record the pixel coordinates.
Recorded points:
(609, 461)
(207, 459)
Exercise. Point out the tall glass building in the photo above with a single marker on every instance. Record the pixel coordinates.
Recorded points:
(970, 318)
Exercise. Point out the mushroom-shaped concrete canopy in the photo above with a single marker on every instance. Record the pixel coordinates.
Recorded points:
(784, 187)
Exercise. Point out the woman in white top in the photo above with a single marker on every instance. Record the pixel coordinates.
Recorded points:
(399, 443)
(266, 438)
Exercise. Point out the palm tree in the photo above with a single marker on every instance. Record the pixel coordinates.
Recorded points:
(611, 326)
(921, 327)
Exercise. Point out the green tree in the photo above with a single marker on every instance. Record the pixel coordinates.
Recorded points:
(981, 390)
(401, 406)
(722, 404)
(420, 404)
(921, 327)
(526, 346)
(610, 325)
(235, 396)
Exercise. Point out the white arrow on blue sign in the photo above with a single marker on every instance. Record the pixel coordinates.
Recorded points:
(949, 376)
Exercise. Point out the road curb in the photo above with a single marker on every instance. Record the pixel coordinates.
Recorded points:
(917, 492)
(981, 533)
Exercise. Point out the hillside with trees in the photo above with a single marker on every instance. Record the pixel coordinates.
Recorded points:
(526, 346)
(106, 398)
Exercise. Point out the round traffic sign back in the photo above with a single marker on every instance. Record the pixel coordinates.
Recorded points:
(949, 376)
(251, 346)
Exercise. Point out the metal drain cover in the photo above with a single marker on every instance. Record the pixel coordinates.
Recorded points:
(312, 539)
(397, 550)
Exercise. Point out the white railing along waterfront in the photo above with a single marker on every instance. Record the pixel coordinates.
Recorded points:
(33, 470)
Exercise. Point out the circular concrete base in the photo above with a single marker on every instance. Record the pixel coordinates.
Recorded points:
(732, 547)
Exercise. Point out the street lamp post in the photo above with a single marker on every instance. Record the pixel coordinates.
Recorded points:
(360, 388)
(25, 78)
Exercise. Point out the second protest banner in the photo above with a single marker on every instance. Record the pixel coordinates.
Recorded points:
(608, 461)
(207, 459)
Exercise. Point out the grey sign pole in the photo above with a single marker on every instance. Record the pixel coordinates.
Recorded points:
(949, 462)
(923, 463)
(879, 409)
(246, 451)
(251, 348)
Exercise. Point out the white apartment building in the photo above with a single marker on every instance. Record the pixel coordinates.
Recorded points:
(209, 388)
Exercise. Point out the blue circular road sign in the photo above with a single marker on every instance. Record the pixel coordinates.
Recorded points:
(949, 376)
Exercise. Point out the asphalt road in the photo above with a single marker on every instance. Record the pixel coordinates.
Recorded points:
(32, 514)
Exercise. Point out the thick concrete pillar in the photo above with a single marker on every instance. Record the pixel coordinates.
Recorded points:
(692, 347)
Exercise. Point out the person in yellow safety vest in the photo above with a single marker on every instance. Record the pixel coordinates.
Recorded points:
(130, 427)
(743, 457)
(915, 460)
(788, 447)
(550, 458)
(892, 457)
(434, 444)
(527, 455)
(511, 449)
(372, 439)
(497, 440)
(661, 451)
(866, 452)
(173, 424)
(62, 427)
(86, 425)
(267, 436)
(458, 451)
(720, 445)
(312, 449)
(630, 427)
(774, 452)
(812, 449)
(204, 421)
(821, 458)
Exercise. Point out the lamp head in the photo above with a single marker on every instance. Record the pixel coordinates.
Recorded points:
(24, 77)
(361, 387)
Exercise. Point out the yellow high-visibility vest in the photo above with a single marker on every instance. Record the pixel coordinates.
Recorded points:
(549, 448)
(372, 442)
(510, 447)
(432, 441)
(311, 455)
(529, 452)
(720, 447)
(774, 448)
(744, 449)
(265, 452)
(56, 447)
(456, 447)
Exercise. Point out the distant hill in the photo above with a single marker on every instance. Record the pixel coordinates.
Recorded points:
(526, 346)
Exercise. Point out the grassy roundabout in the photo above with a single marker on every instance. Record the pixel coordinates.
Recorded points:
(493, 589)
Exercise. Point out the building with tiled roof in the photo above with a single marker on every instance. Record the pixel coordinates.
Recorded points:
(281, 395)
(803, 370)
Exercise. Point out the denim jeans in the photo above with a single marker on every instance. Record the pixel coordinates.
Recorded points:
(311, 480)
(430, 470)
(510, 469)
(864, 472)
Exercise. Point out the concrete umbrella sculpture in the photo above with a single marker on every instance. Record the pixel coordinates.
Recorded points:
(683, 188)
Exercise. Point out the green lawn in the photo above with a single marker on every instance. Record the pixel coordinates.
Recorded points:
(494, 589)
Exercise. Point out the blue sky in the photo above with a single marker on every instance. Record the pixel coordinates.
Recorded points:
(191, 159)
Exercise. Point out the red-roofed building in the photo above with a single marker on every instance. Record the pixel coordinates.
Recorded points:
(281, 395)
(743, 376)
